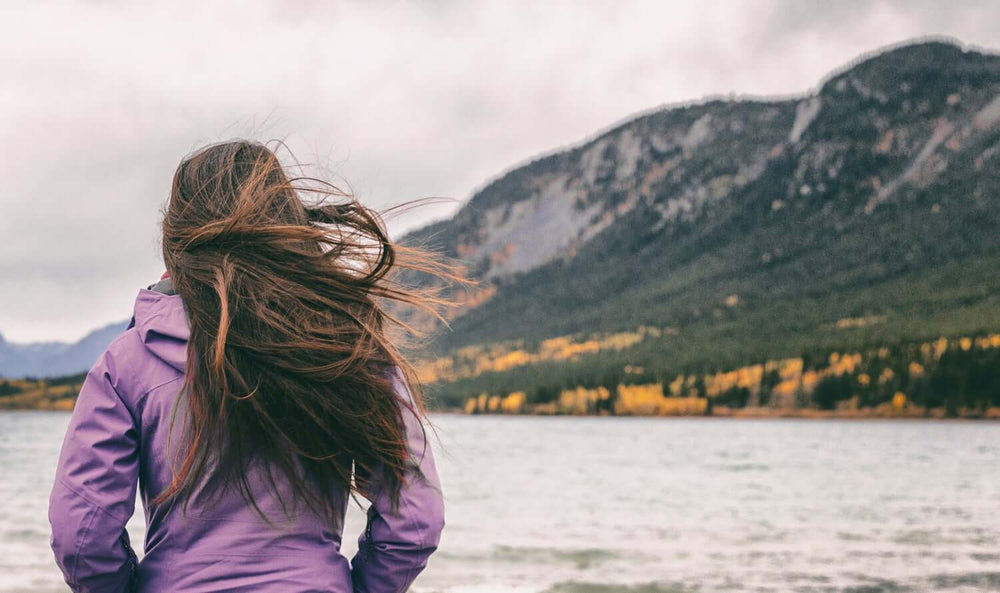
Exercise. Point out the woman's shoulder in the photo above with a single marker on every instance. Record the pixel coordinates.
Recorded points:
(128, 366)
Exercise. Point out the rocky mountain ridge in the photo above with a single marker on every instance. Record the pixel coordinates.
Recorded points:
(751, 227)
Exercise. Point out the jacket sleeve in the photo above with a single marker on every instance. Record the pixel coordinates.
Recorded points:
(94, 492)
(395, 547)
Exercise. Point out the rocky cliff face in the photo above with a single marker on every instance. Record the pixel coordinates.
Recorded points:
(881, 182)
(676, 162)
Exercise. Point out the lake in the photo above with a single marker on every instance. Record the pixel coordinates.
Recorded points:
(649, 505)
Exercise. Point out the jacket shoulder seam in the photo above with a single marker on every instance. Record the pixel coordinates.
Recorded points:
(133, 410)
(146, 392)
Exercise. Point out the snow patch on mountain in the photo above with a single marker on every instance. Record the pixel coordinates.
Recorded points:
(805, 113)
(989, 115)
(699, 132)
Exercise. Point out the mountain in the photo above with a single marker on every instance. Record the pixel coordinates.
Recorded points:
(864, 213)
(52, 359)
(837, 246)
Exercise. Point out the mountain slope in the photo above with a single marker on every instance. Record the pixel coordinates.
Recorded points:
(751, 228)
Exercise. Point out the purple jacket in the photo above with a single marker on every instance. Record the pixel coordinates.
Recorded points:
(117, 440)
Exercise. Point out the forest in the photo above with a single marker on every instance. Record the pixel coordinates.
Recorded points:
(946, 377)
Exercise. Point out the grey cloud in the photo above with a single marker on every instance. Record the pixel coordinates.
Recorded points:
(402, 100)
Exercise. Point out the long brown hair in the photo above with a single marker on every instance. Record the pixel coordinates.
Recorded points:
(290, 348)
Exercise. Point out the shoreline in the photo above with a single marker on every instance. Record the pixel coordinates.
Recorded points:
(718, 417)
(937, 414)
(992, 415)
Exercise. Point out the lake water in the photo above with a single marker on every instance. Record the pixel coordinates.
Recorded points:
(644, 505)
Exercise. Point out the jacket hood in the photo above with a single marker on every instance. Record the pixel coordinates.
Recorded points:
(162, 323)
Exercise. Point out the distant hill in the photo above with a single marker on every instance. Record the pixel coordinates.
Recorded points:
(53, 359)
(752, 229)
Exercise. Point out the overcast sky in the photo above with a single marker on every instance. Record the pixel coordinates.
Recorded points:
(99, 101)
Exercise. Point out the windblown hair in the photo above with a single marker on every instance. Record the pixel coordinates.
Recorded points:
(290, 357)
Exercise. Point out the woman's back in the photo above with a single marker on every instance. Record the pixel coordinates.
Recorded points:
(246, 388)
(120, 438)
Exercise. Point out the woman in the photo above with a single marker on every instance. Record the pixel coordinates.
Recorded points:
(253, 382)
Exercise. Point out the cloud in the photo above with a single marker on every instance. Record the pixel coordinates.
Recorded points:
(402, 100)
